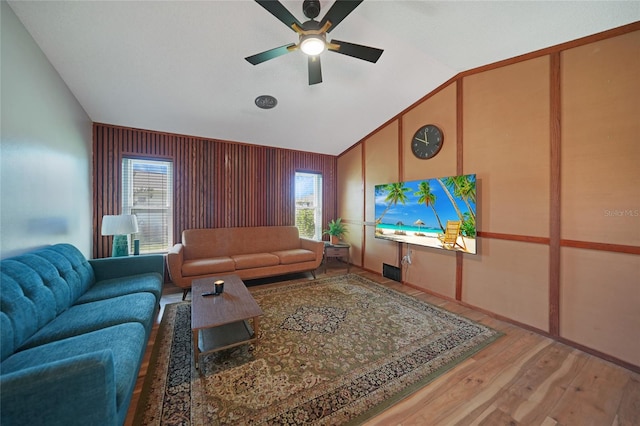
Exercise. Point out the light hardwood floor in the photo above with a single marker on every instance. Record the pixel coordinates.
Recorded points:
(521, 379)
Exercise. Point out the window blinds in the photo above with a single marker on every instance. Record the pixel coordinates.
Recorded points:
(147, 192)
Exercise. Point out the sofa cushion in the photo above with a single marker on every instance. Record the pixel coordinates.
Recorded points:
(38, 286)
(288, 257)
(86, 317)
(206, 243)
(150, 282)
(263, 239)
(125, 341)
(214, 265)
(72, 270)
(257, 260)
(27, 304)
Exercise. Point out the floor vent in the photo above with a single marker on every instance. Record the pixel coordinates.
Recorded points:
(392, 272)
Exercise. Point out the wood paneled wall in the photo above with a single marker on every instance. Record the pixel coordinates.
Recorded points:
(216, 183)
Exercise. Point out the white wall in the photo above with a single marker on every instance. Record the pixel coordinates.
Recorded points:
(45, 150)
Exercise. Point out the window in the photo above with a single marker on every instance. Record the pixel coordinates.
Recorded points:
(147, 192)
(308, 189)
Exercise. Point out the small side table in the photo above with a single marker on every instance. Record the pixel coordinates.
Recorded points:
(336, 251)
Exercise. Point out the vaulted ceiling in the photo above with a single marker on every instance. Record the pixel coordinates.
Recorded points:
(179, 67)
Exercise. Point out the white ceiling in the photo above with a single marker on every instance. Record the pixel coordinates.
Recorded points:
(178, 66)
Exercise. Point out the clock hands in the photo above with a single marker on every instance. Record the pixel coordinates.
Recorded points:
(425, 140)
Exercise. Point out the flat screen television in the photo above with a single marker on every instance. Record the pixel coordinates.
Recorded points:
(436, 212)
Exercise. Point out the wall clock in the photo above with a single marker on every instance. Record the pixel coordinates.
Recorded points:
(427, 141)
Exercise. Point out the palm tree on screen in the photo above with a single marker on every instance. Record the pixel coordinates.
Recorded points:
(453, 201)
(428, 198)
(464, 188)
(396, 192)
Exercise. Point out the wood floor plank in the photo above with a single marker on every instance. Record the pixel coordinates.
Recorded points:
(593, 397)
(540, 388)
(494, 416)
(496, 383)
(629, 410)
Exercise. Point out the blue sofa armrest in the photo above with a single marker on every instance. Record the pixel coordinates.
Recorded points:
(118, 267)
(41, 395)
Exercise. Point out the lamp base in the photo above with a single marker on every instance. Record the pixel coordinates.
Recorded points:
(120, 246)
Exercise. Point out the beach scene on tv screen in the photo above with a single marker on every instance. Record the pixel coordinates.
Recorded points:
(435, 212)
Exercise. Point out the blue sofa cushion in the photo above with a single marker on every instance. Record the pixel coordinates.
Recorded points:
(37, 287)
(87, 317)
(149, 282)
(72, 267)
(26, 305)
(126, 342)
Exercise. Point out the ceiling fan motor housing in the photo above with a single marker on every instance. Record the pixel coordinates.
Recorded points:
(311, 8)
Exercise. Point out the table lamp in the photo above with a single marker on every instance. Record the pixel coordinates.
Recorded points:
(120, 226)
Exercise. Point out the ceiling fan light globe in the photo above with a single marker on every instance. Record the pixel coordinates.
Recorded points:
(312, 45)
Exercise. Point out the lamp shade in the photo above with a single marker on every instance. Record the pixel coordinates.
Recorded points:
(122, 224)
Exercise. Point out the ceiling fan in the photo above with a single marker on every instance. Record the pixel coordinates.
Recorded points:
(313, 35)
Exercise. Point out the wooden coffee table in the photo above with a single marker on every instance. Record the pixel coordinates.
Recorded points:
(221, 322)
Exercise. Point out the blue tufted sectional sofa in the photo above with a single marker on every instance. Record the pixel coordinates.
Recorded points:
(74, 333)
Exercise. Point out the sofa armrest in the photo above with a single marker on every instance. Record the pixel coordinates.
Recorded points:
(118, 267)
(76, 391)
(315, 246)
(175, 258)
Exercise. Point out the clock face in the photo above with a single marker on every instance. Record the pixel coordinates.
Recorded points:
(427, 141)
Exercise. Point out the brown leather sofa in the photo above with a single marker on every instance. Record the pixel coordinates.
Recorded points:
(252, 252)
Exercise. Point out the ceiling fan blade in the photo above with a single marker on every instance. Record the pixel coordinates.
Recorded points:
(315, 71)
(259, 58)
(366, 53)
(339, 11)
(276, 8)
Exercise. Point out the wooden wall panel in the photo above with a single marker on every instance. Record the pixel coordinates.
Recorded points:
(216, 183)
(506, 142)
(351, 200)
(432, 270)
(381, 154)
(510, 278)
(600, 301)
(600, 141)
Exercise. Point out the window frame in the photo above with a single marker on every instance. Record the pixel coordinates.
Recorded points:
(128, 205)
(318, 199)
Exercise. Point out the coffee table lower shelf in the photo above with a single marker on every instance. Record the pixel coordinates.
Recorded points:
(222, 337)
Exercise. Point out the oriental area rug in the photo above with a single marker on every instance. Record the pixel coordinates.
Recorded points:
(331, 351)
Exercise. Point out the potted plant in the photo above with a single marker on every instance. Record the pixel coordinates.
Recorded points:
(336, 230)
